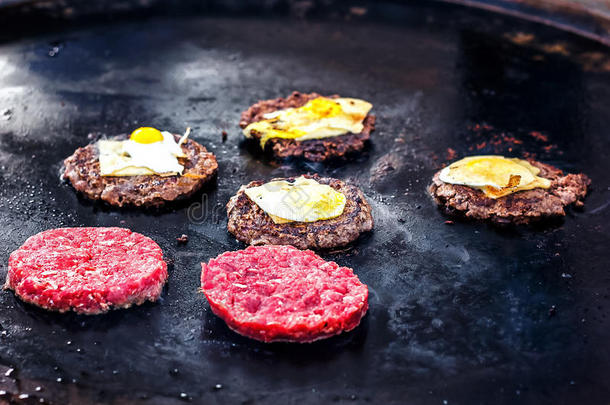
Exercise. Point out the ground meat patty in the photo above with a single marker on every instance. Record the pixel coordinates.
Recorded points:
(279, 293)
(82, 169)
(250, 224)
(316, 150)
(522, 207)
(87, 270)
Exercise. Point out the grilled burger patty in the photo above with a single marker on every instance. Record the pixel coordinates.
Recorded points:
(316, 150)
(282, 294)
(82, 169)
(522, 207)
(250, 224)
(87, 270)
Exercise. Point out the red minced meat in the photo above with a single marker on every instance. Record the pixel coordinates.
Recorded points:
(281, 294)
(87, 270)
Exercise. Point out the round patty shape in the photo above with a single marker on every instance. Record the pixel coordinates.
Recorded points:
(522, 207)
(87, 270)
(82, 169)
(250, 224)
(282, 294)
(316, 150)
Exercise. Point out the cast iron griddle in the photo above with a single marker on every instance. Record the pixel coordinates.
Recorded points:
(459, 314)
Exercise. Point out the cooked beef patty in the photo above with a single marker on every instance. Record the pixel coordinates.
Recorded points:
(82, 169)
(250, 224)
(316, 150)
(522, 207)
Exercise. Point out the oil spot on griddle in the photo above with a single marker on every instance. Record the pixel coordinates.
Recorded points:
(55, 47)
(559, 48)
(589, 60)
(385, 218)
(6, 114)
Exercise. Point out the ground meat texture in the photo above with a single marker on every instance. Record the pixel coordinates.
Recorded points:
(282, 294)
(316, 150)
(250, 224)
(82, 170)
(522, 207)
(87, 270)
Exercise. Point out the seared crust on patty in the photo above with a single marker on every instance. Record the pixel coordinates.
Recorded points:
(522, 207)
(250, 224)
(316, 150)
(82, 169)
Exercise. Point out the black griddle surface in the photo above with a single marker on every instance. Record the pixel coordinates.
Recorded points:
(459, 313)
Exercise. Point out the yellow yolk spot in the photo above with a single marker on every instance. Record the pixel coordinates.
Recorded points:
(320, 118)
(146, 135)
(496, 176)
(304, 200)
(322, 107)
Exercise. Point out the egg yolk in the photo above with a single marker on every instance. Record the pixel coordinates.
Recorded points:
(146, 135)
(322, 107)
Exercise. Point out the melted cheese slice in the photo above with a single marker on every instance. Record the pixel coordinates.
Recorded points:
(496, 176)
(304, 200)
(319, 118)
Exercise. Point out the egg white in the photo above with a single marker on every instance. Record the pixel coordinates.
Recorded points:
(130, 158)
(304, 200)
